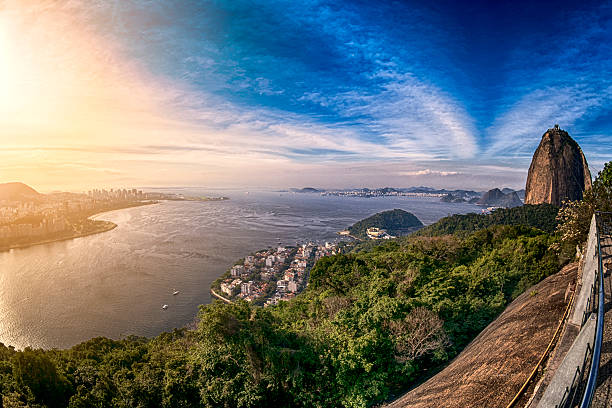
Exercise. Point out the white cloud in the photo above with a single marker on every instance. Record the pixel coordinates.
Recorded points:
(428, 172)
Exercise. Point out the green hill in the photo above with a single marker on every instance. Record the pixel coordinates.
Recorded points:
(541, 216)
(396, 222)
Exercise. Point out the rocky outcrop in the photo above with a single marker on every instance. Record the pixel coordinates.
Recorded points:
(496, 198)
(558, 170)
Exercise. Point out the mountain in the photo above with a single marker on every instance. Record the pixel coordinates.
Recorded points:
(18, 192)
(496, 198)
(459, 196)
(510, 200)
(450, 198)
(395, 222)
(306, 190)
(558, 171)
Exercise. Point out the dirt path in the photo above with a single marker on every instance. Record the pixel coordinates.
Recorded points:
(494, 366)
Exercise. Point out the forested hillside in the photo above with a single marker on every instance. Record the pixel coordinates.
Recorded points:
(369, 325)
(542, 216)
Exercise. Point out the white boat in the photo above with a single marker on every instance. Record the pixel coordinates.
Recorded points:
(176, 292)
(164, 307)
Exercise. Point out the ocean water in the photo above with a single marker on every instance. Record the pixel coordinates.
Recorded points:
(113, 284)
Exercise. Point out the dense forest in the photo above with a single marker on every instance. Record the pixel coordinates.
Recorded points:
(371, 323)
(543, 216)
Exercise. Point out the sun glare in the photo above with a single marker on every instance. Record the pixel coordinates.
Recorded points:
(7, 65)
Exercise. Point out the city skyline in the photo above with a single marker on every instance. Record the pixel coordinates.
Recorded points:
(289, 94)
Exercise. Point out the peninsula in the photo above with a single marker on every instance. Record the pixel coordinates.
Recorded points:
(28, 217)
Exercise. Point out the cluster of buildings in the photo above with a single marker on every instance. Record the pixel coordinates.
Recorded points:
(33, 219)
(48, 214)
(47, 226)
(118, 194)
(377, 233)
(272, 275)
(381, 192)
(139, 195)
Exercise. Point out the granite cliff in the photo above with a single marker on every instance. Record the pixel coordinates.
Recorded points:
(558, 170)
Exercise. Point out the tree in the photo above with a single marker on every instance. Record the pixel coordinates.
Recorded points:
(575, 216)
(419, 333)
(34, 370)
(602, 189)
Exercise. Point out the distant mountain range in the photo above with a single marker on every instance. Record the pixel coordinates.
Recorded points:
(419, 189)
(506, 197)
(18, 192)
(386, 190)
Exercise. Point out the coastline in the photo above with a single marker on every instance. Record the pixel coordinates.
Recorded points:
(102, 226)
(140, 204)
(107, 227)
(218, 296)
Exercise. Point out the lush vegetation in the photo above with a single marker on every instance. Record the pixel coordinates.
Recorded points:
(575, 216)
(395, 222)
(543, 216)
(370, 324)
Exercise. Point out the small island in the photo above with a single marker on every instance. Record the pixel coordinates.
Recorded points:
(385, 225)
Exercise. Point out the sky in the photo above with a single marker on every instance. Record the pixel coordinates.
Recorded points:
(276, 94)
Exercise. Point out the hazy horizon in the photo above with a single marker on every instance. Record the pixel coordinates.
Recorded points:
(195, 188)
(280, 94)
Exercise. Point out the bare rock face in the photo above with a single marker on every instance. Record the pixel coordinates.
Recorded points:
(558, 170)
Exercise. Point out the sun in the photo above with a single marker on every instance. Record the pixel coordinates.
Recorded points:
(30, 84)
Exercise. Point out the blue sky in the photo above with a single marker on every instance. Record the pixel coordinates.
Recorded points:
(450, 94)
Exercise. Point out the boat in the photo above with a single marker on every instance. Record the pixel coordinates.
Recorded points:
(176, 292)
(164, 307)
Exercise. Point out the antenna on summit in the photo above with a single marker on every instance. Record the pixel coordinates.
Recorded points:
(556, 126)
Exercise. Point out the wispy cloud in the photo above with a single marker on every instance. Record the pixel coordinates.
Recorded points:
(216, 90)
(517, 131)
(564, 80)
(428, 172)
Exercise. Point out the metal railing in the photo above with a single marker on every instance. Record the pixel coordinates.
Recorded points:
(594, 370)
(582, 388)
